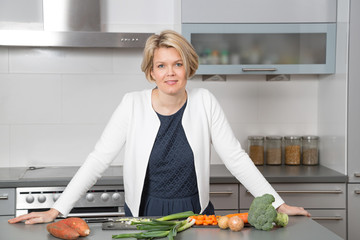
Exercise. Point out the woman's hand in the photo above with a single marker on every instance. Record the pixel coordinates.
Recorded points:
(291, 210)
(37, 217)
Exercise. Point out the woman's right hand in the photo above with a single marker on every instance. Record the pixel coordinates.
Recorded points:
(36, 217)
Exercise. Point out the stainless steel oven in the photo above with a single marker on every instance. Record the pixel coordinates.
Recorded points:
(99, 201)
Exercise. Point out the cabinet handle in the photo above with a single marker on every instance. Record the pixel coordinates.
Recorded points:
(357, 191)
(4, 197)
(309, 191)
(357, 174)
(222, 193)
(259, 69)
(327, 218)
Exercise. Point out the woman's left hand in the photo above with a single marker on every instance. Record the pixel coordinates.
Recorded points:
(292, 210)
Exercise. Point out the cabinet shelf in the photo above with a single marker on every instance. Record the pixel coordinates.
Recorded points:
(263, 48)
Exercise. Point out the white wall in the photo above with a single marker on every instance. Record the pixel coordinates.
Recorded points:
(55, 102)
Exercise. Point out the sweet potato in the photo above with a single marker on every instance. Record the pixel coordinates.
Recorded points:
(61, 230)
(78, 224)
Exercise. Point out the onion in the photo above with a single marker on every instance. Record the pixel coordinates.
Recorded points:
(223, 222)
(236, 223)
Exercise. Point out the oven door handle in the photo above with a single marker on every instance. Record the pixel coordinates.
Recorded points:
(103, 214)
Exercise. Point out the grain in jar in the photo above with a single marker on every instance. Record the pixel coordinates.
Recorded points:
(292, 150)
(256, 149)
(273, 150)
(310, 150)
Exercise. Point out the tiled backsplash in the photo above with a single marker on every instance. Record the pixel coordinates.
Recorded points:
(54, 103)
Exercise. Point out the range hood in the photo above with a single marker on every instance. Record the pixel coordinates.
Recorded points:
(72, 23)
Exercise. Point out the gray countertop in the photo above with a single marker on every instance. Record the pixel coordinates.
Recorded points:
(60, 176)
(299, 227)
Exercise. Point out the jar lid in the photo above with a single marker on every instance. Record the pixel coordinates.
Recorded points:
(256, 137)
(292, 137)
(274, 137)
(310, 137)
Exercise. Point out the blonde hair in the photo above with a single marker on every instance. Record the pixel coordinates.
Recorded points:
(168, 39)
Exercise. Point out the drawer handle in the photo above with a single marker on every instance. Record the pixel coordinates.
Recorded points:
(309, 191)
(222, 193)
(357, 174)
(4, 197)
(327, 218)
(259, 69)
(357, 191)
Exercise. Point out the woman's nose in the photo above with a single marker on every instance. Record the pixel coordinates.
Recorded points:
(170, 71)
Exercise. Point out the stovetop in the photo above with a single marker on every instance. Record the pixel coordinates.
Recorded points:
(52, 176)
(63, 172)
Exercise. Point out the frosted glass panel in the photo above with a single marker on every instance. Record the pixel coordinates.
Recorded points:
(260, 48)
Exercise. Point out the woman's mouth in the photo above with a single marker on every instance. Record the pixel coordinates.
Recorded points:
(171, 82)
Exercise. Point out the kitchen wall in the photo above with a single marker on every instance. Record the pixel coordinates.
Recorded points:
(55, 102)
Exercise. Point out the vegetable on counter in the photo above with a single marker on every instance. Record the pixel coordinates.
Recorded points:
(235, 223)
(69, 228)
(262, 214)
(243, 216)
(161, 227)
(205, 219)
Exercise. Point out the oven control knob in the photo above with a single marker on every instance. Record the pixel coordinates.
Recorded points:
(41, 198)
(105, 197)
(116, 196)
(30, 198)
(56, 197)
(90, 197)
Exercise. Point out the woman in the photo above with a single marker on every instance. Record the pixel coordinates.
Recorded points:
(167, 133)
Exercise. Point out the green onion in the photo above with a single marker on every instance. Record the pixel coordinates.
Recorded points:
(160, 227)
(176, 216)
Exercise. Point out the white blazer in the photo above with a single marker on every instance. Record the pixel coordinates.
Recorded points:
(134, 125)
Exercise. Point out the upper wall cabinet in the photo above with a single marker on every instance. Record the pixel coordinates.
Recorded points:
(262, 37)
(258, 11)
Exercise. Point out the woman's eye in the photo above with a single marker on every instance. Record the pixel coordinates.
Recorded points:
(179, 64)
(160, 66)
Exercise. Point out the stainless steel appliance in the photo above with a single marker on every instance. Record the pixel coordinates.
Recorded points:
(99, 201)
(42, 186)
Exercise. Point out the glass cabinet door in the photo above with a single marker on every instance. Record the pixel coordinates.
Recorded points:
(263, 48)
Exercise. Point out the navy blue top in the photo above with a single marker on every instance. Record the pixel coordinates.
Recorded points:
(170, 183)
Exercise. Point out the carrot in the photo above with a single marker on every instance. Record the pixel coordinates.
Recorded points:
(243, 216)
(205, 219)
(78, 224)
(61, 230)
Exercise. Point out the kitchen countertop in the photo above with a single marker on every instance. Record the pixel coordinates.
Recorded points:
(299, 227)
(60, 176)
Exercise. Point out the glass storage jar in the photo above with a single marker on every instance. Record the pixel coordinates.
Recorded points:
(273, 150)
(292, 150)
(310, 150)
(256, 149)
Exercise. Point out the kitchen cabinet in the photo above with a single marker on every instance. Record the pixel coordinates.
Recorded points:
(325, 201)
(354, 210)
(263, 48)
(262, 37)
(258, 11)
(353, 131)
(7, 202)
(225, 198)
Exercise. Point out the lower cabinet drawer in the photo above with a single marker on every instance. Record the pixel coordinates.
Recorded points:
(332, 219)
(307, 195)
(7, 201)
(225, 196)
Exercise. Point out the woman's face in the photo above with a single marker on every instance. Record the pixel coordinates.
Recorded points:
(169, 71)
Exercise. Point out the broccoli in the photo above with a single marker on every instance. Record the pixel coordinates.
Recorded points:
(282, 219)
(262, 214)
